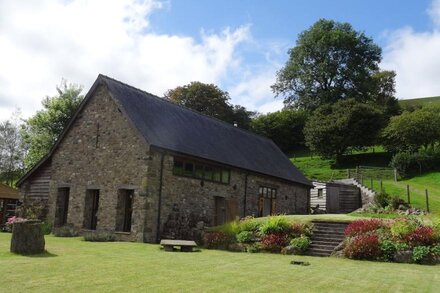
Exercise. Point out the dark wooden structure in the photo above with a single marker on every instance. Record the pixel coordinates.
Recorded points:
(335, 198)
(8, 201)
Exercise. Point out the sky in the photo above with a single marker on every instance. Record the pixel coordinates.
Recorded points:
(238, 45)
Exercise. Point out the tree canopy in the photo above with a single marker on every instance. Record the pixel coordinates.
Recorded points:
(284, 127)
(412, 130)
(41, 131)
(333, 129)
(12, 150)
(331, 61)
(210, 100)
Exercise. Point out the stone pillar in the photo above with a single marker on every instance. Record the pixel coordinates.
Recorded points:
(27, 237)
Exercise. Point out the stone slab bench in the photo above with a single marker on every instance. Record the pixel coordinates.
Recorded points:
(185, 245)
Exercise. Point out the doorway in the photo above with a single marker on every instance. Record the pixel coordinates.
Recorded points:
(91, 209)
(62, 206)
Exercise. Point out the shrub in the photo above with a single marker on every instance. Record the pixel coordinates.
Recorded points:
(275, 224)
(99, 236)
(382, 199)
(217, 240)
(420, 252)
(65, 231)
(301, 243)
(230, 228)
(363, 247)
(46, 227)
(253, 248)
(387, 248)
(249, 224)
(363, 226)
(402, 227)
(274, 242)
(244, 237)
(396, 202)
(421, 236)
(298, 229)
(435, 250)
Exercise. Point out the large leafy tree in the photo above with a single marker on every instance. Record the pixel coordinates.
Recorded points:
(41, 131)
(412, 130)
(331, 61)
(210, 100)
(12, 150)
(347, 124)
(284, 127)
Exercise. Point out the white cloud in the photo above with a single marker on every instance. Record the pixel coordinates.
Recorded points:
(415, 56)
(46, 41)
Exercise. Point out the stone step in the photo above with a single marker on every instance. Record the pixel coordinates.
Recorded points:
(327, 242)
(322, 247)
(326, 237)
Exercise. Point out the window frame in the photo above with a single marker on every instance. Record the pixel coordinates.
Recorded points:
(205, 168)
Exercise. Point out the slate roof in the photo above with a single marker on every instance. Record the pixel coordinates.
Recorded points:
(176, 128)
(169, 126)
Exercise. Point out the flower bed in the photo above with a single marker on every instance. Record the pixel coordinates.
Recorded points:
(276, 235)
(398, 240)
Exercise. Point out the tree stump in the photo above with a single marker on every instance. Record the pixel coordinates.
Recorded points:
(27, 237)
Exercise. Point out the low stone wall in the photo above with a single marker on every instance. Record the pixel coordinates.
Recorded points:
(27, 237)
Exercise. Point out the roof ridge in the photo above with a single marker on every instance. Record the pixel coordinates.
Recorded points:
(183, 107)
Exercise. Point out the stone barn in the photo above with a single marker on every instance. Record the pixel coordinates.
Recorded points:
(146, 168)
(335, 197)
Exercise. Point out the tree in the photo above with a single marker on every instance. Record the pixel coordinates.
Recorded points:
(41, 131)
(210, 100)
(334, 128)
(412, 130)
(382, 91)
(331, 61)
(284, 127)
(204, 98)
(12, 150)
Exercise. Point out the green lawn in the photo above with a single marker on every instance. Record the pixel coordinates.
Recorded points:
(425, 102)
(72, 265)
(418, 184)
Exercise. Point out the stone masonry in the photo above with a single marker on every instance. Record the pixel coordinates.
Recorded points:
(103, 151)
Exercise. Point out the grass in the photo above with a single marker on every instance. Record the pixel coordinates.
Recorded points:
(425, 102)
(73, 265)
(316, 168)
(418, 184)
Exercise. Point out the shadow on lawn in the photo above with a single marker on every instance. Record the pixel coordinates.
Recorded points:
(44, 254)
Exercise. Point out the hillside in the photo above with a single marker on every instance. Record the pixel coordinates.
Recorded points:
(425, 102)
(315, 168)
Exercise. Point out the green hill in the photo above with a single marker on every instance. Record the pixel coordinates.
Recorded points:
(425, 102)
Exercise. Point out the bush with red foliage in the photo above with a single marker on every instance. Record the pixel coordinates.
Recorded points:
(421, 236)
(217, 240)
(363, 247)
(274, 242)
(361, 227)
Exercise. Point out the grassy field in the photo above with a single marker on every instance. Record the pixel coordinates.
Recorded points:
(418, 184)
(73, 265)
(425, 102)
(316, 168)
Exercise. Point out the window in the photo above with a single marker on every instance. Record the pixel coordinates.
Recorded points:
(266, 203)
(184, 167)
(320, 192)
(124, 210)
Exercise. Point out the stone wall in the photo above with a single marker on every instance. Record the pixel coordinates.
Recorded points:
(101, 151)
(188, 204)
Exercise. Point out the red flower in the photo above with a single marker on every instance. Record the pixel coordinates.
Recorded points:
(363, 226)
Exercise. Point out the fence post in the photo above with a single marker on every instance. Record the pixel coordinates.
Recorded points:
(371, 181)
(395, 175)
(362, 179)
(427, 202)
(381, 186)
(348, 174)
(407, 194)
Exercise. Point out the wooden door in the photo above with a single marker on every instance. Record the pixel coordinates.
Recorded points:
(332, 200)
(219, 210)
(62, 207)
(95, 206)
(231, 209)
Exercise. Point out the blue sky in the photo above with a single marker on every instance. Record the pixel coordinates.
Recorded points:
(157, 45)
